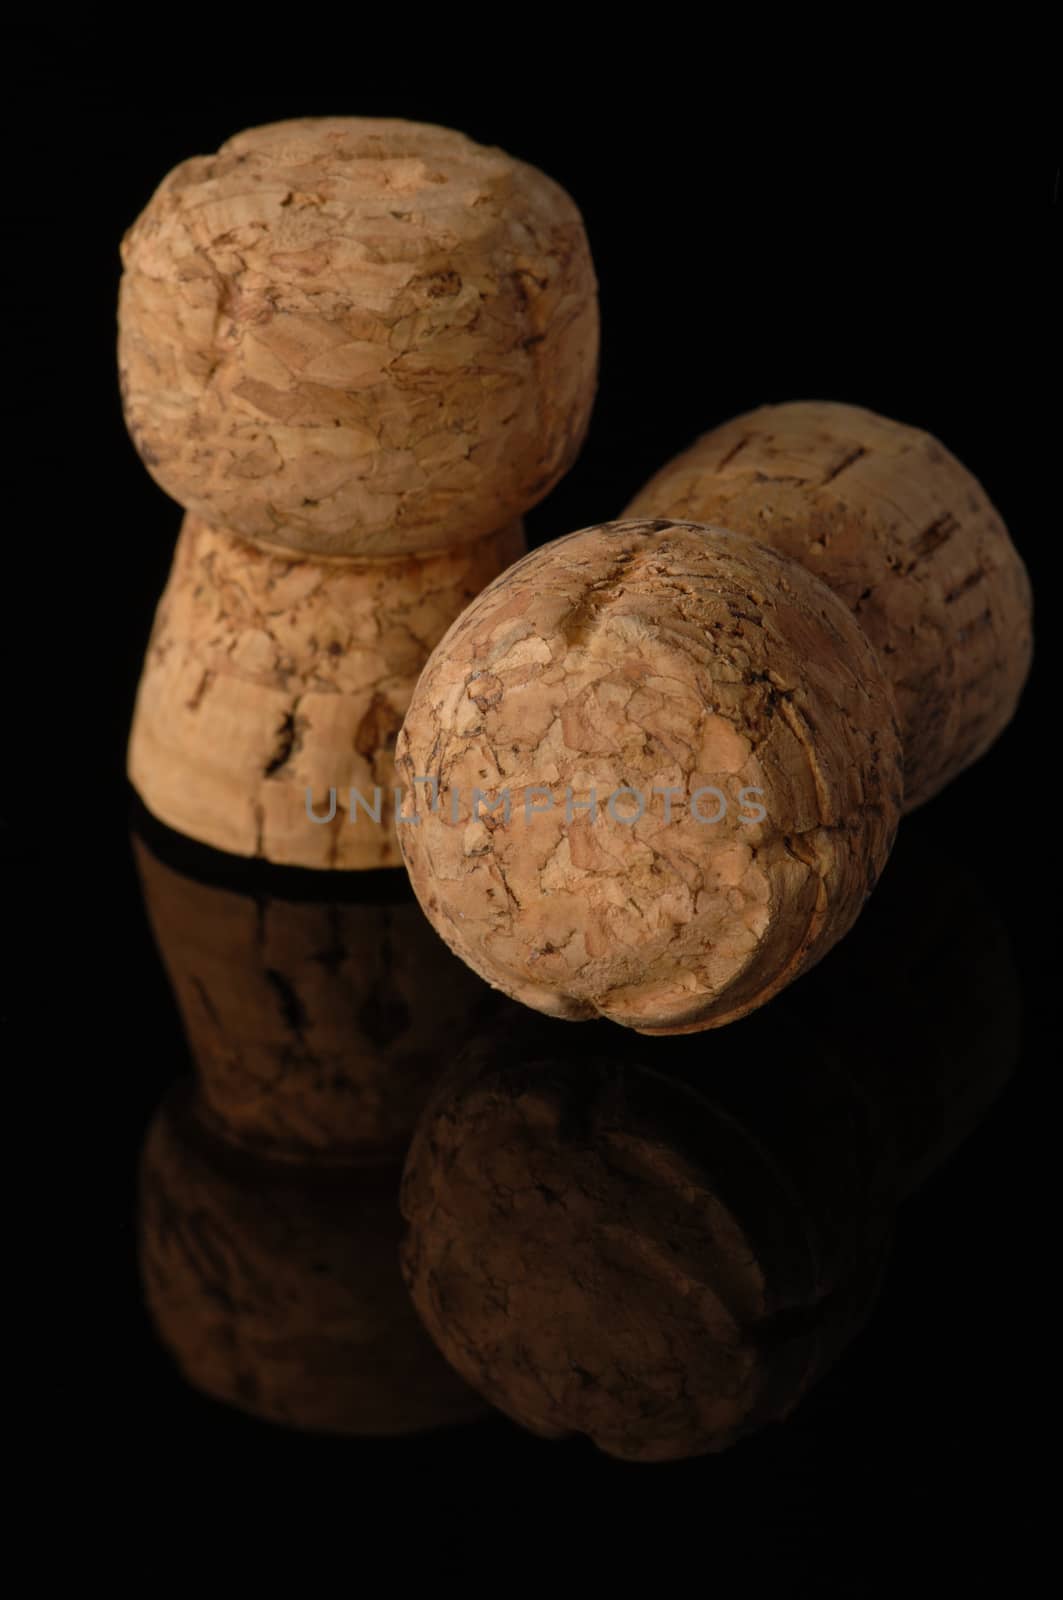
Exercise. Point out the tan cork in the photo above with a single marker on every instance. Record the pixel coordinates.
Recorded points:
(648, 655)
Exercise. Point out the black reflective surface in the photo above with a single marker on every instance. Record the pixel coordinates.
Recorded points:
(224, 1261)
(860, 1156)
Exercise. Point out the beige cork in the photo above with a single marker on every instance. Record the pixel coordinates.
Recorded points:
(271, 680)
(315, 1027)
(357, 336)
(649, 655)
(904, 534)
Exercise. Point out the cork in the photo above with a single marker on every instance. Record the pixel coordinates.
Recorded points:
(274, 686)
(621, 661)
(357, 336)
(904, 534)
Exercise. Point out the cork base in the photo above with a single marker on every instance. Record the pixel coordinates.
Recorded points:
(272, 680)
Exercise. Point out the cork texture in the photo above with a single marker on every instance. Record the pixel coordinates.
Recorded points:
(648, 655)
(352, 336)
(269, 675)
(906, 536)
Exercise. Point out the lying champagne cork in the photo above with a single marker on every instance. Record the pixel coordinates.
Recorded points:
(274, 686)
(904, 534)
(357, 336)
(651, 773)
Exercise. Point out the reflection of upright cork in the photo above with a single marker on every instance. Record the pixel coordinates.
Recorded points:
(278, 1291)
(316, 1027)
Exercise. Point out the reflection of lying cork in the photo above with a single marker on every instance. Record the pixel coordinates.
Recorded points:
(316, 1027)
(600, 1249)
(279, 1292)
(664, 1244)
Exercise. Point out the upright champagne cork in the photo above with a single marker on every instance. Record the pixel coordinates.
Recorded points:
(356, 350)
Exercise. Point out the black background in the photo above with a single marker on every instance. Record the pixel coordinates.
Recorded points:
(865, 239)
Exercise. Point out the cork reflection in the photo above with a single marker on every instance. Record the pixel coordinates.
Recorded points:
(268, 1223)
(663, 1244)
(315, 1024)
(659, 1245)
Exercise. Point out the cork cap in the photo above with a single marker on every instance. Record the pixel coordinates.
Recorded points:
(351, 336)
